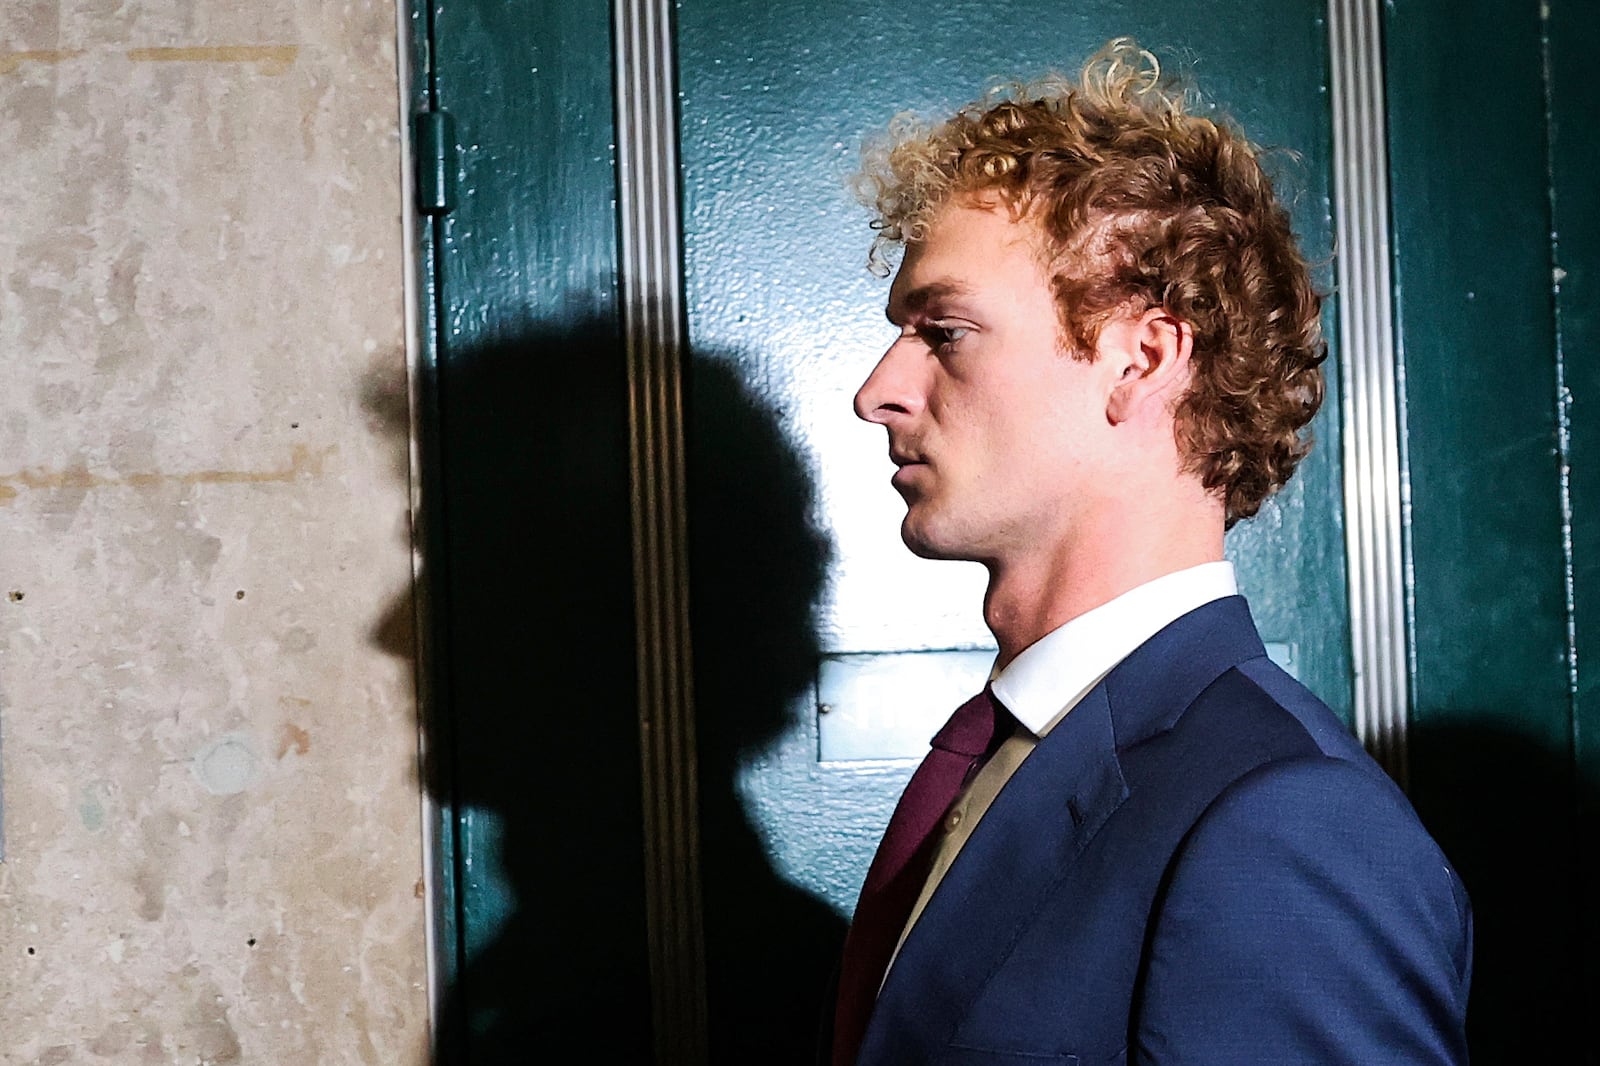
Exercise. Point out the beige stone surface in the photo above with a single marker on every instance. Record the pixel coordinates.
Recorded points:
(207, 757)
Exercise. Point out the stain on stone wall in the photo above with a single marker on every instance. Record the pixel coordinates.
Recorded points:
(208, 763)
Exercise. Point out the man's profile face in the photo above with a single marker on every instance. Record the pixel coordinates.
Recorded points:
(1000, 435)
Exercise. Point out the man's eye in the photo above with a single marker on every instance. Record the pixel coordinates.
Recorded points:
(942, 337)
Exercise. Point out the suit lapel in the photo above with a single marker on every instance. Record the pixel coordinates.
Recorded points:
(1043, 818)
(1027, 838)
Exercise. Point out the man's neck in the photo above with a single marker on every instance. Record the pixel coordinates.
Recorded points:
(1033, 595)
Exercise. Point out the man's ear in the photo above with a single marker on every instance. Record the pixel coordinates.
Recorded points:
(1151, 352)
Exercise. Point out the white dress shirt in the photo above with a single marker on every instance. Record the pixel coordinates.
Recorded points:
(1048, 678)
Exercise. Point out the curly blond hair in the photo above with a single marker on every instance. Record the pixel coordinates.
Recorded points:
(1140, 203)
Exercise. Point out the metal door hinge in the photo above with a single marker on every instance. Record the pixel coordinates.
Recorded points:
(436, 162)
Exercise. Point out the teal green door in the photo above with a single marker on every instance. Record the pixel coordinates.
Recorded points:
(681, 884)
(1497, 254)
(532, 730)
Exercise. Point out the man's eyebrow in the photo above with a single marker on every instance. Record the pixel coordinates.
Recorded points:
(920, 297)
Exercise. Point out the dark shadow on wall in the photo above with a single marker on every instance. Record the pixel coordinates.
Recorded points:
(534, 739)
(1505, 809)
(758, 565)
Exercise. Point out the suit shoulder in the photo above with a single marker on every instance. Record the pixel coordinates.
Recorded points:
(1322, 801)
(1310, 901)
(1258, 708)
(1286, 693)
(1256, 750)
(1326, 804)
(1249, 715)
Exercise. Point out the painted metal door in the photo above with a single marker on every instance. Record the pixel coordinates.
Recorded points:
(532, 756)
(1497, 255)
(678, 879)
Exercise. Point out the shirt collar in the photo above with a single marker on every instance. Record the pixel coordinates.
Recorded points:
(1053, 673)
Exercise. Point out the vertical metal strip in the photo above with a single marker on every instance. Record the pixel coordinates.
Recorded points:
(1373, 474)
(412, 34)
(653, 317)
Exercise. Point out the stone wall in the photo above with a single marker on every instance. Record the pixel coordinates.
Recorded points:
(207, 713)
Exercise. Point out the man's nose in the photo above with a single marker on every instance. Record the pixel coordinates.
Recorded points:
(892, 389)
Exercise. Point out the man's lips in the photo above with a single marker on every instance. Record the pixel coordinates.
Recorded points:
(908, 466)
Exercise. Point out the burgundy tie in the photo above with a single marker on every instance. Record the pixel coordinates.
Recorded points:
(900, 868)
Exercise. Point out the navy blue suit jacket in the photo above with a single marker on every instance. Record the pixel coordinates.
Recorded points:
(1198, 865)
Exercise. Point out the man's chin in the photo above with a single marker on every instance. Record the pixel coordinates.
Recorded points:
(926, 544)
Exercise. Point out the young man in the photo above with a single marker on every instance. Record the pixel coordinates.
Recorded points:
(1144, 842)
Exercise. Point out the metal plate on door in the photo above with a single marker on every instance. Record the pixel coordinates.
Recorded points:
(887, 705)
